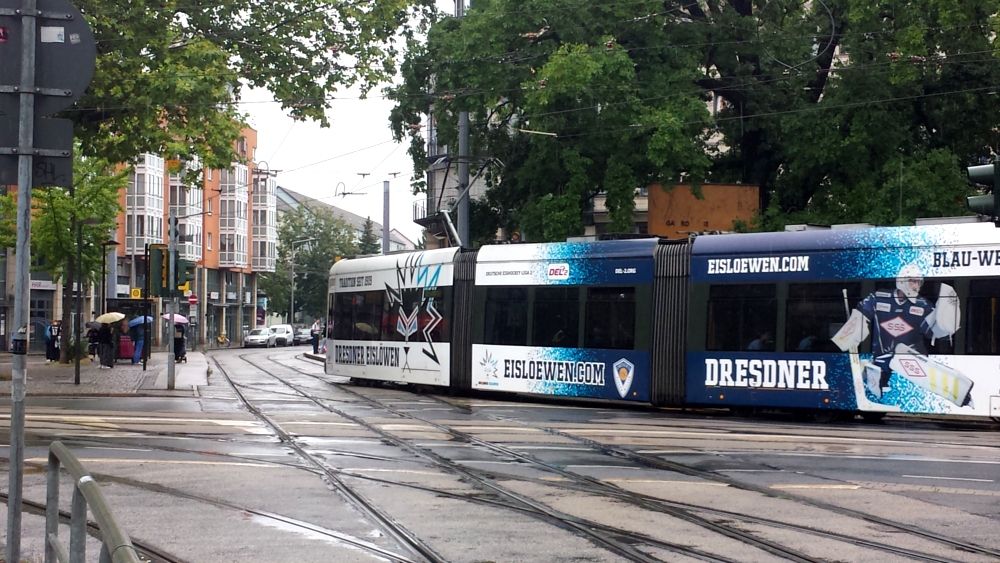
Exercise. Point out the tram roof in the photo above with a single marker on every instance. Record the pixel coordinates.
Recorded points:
(834, 239)
(631, 248)
(390, 261)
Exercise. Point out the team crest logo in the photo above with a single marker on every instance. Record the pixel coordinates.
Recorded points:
(624, 370)
(489, 365)
(415, 312)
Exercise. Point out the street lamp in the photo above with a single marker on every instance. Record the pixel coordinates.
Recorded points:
(79, 292)
(291, 308)
(103, 298)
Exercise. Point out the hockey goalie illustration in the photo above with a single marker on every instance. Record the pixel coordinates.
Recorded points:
(899, 321)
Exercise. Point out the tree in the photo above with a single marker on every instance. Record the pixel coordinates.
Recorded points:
(55, 212)
(369, 243)
(334, 238)
(819, 103)
(168, 74)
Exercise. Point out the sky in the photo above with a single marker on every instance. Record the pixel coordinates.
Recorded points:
(315, 161)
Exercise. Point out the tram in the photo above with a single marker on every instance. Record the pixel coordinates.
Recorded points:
(868, 321)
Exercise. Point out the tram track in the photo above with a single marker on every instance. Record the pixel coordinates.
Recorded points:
(588, 484)
(618, 494)
(401, 535)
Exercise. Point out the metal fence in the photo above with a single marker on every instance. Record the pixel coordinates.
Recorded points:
(116, 546)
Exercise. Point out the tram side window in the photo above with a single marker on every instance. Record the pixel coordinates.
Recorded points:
(556, 321)
(367, 314)
(343, 316)
(983, 317)
(610, 318)
(815, 312)
(506, 320)
(742, 317)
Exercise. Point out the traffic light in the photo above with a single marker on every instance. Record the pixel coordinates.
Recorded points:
(988, 174)
(185, 274)
(158, 271)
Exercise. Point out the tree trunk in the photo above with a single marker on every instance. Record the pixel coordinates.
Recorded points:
(67, 311)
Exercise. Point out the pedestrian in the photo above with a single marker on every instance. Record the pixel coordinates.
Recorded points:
(314, 332)
(179, 351)
(106, 346)
(92, 342)
(50, 342)
(138, 336)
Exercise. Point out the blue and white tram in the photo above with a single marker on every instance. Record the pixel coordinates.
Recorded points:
(872, 320)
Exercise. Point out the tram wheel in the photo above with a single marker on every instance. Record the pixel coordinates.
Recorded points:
(827, 416)
(872, 417)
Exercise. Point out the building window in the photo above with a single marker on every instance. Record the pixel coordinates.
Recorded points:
(209, 244)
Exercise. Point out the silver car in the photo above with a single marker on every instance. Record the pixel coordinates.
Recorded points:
(259, 337)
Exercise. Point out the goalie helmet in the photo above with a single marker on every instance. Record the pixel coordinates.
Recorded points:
(909, 280)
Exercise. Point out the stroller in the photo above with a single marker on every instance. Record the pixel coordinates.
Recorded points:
(180, 350)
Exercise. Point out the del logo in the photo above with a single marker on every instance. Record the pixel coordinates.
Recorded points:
(624, 370)
(896, 326)
(559, 271)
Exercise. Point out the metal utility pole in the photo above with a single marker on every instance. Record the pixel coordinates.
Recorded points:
(463, 178)
(463, 160)
(385, 217)
(171, 288)
(22, 283)
(291, 276)
(44, 69)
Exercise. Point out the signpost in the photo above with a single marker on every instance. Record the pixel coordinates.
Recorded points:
(192, 299)
(47, 59)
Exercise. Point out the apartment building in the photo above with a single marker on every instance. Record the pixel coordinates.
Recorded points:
(227, 226)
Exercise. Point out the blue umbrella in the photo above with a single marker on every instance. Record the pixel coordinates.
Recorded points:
(140, 320)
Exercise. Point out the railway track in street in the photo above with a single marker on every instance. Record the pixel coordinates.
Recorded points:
(690, 513)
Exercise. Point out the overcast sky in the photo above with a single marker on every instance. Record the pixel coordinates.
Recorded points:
(313, 160)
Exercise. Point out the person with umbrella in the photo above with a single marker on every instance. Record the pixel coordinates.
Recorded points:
(106, 339)
(180, 354)
(138, 330)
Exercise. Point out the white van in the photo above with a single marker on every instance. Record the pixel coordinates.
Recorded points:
(283, 335)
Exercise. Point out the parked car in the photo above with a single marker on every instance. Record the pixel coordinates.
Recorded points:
(303, 336)
(283, 335)
(259, 337)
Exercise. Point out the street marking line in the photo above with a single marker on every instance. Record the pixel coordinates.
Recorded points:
(374, 470)
(841, 487)
(904, 488)
(949, 478)
(749, 470)
(664, 481)
(161, 461)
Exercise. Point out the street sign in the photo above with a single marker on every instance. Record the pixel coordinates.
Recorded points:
(53, 166)
(65, 51)
(136, 293)
(192, 299)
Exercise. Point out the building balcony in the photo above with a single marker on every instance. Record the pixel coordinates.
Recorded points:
(263, 264)
(232, 259)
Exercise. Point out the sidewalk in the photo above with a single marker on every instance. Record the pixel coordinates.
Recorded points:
(123, 379)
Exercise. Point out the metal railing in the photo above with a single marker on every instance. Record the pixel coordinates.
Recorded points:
(116, 546)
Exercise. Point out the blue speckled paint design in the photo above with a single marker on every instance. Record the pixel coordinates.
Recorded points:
(491, 368)
(848, 254)
(910, 398)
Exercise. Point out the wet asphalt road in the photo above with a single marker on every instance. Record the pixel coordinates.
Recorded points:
(274, 461)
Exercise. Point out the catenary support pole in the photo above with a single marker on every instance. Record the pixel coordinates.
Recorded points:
(385, 217)
(22, 283)
(463, 178)
(171, 288)
(78, 303)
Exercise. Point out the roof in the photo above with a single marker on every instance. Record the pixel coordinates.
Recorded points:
(288, 200)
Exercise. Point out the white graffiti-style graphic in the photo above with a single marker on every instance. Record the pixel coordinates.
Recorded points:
(409, 302)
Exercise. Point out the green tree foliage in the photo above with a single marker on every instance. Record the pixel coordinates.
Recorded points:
(168, 73)
(334, 238)
(842, 110)
(369, 243)
(55, 212)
